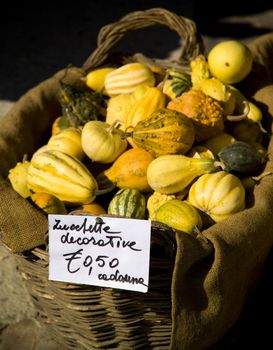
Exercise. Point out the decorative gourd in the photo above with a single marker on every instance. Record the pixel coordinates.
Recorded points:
(68, 141)
(206, 113)
(152, 100)
(18, 178)
(199, 70)
(79, 105)
(219, 195)
(164, 132)
(254, 113)
(172, 173)
(101, 142)
(63, 176)
(178, 83)
(128, 202)
(95, 79)
(126, 78)
(220, 92)
(180, 215)
(240, 158)
(200, 152)
(217, 142)
(129, 170)
(246, 131)
(155, 200)
(59, 124)
(118, 107)
(48, 203)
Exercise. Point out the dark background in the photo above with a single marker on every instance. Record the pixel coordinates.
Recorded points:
(39, 39)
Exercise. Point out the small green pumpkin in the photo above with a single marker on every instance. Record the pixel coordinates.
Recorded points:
(128, 202)
(240, 158)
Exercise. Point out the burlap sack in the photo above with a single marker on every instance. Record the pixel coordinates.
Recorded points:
(215, 271)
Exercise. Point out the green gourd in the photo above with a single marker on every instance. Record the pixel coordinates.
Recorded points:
(129, 203)
(240, 158)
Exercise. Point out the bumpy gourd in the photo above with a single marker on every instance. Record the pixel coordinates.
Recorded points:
(164, 132)
(155, 200)
(206, 113)
(219, 195)
(172, 173)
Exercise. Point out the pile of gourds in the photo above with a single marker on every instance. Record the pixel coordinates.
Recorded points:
(138, 141)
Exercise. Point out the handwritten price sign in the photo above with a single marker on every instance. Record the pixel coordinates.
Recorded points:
(100, 251)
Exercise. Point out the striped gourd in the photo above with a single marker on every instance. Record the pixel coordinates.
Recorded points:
(128, 202)
(178, 83)
(127, 78)
(164, 132)
(63, 176)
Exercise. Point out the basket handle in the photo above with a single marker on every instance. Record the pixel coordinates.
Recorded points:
(112, 33)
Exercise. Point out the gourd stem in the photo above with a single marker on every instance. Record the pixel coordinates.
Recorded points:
(219, 164)
(124, 135)
(262, 175)
(261, 127)
(115, 124)
(239, 117)
(98, 192)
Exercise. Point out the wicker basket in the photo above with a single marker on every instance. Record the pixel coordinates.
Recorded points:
(86, 317)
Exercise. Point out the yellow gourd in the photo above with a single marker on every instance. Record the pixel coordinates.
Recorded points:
(63, 176)
(155, 201)
(129, 170)
(18, 178)
(95, 79)
(127, 78)
(219, 195)
(101, 142)
(172, 173)
(68, 141)
(179, 215)
(152, 100)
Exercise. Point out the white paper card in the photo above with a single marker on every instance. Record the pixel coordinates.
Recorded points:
(100, 251)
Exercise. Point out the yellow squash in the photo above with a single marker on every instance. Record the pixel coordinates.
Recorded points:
(172, 173)
(180, 215)
(63, 176)
(152, 100)
(219, 195)
(127, 78)
(68, 141)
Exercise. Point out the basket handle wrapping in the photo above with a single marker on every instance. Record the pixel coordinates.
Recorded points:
(111, 34)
